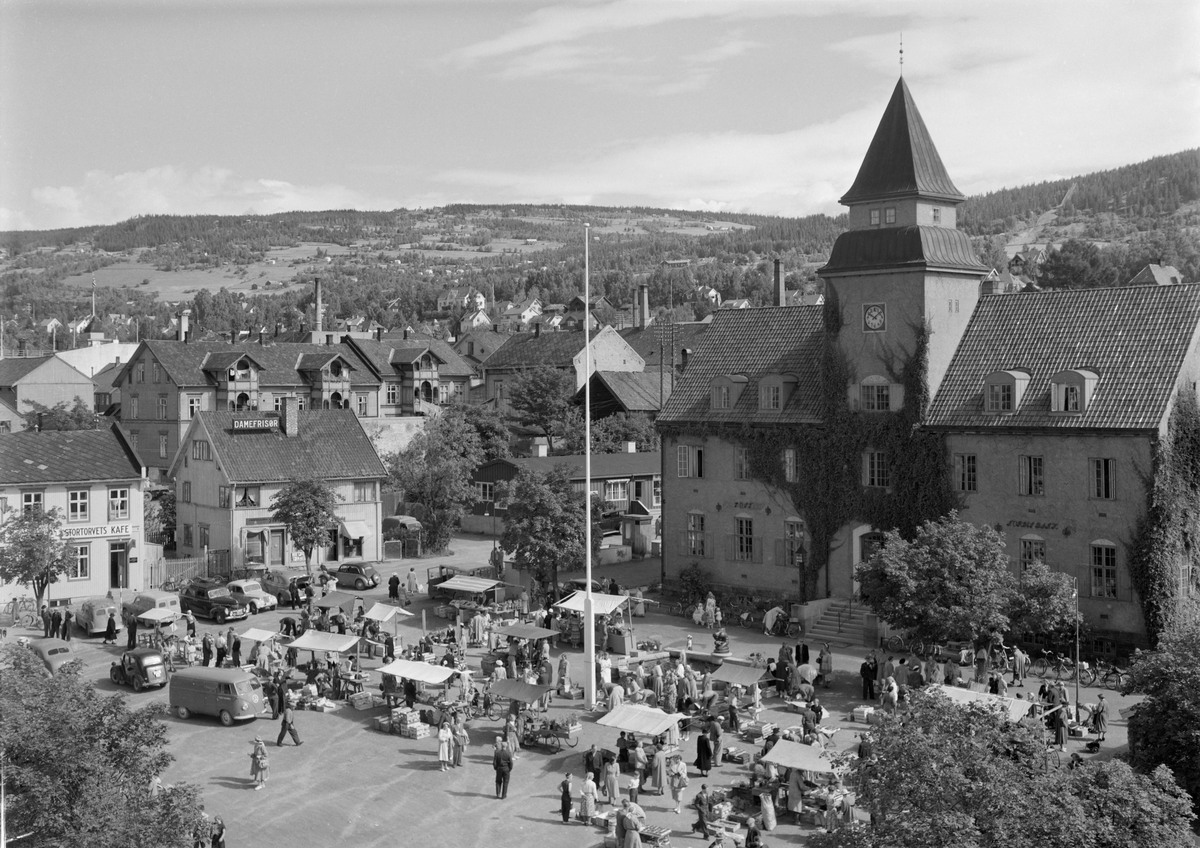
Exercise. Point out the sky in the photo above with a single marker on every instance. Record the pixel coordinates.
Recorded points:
(115, 108)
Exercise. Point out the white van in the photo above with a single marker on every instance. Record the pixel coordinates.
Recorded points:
(150, 599)
(92, 615)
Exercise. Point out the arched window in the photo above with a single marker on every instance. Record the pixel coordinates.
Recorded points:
(243, 402)
(335, 368)
(335, 400)
(426, 391)
(241, 371)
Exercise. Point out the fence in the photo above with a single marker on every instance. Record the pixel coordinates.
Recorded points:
(176, 572)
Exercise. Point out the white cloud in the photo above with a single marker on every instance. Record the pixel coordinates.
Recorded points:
(105, 198)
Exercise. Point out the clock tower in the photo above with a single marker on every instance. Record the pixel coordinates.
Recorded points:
(903, 263)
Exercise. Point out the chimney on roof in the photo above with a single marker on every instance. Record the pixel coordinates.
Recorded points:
(379, 334)
(406, 333)
(278, 328)
(39, 422)
(631, 447)
(183, 324)
(537, 330)
(643, 306)
(317, 327)
(780, 285)
(261, 343)
(289, 417)
(233, 332)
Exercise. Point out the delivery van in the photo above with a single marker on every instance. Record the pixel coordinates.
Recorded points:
(230, 694)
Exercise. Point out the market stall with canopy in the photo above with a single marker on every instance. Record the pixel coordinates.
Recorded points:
(421, 672)
(794, 755)
(603, 605)
(525, 631)
(638, 718)
(157, 616)
(739, 675)
(1016, 708)
(383, 613)
(519, 690)
(341, 600)
(259, 634)
(332, 643)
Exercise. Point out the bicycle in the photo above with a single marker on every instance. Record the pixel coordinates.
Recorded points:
(172, 584)
(785, 626)
(1111, 677)
(897, 645)
(1052, 661)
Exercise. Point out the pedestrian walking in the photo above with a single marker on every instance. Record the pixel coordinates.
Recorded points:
(206, 649)
(218, 833)
(714, 736)
(110, 630)
(45, 621)
(190, 622)
(502, 764)
(868, 671)
(677, 779)
(825, 663)
(131, 627)
(566, 790)
(412, 582)
(608, 776)
(260, 763)
(703, 762)
(394, 588)
(288, 726)
(1020, 666)
(1100, 717)
(237, 651)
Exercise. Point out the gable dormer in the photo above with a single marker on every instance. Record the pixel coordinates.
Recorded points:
(775, 390)
(725, 389)
(1071, 391)
(1003, 391)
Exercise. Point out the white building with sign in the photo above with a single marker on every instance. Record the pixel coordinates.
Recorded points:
(231, 464)
(94, 480)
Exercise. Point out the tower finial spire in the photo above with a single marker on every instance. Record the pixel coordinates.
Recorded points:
(901, 54)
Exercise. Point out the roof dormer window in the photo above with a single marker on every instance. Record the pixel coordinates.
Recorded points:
(1003, 391)
(725, 389)
(774, 390)
(335, 368)
(1070, 391)
(240, 371)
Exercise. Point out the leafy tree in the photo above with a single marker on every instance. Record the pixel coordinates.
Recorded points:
(953, 581)
(543, 524)
(31, 552)
(493, 431)
(610, 434)
(62, 417)
(307, 507)
(1165, 728)
(541, 397)
(158, 512)
(77, 764)
(436, 469)
(1076, 265)
(950, 775)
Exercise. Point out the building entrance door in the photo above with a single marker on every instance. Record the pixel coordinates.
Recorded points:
(276, 547)
(118, 565)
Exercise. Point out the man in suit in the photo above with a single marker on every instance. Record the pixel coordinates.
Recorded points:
(55, 622)
(502, 762)
(288, 726)
(45, 621)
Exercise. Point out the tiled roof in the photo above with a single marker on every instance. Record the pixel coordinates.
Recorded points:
(185, 363)
(647, 345)
(637, 391)
(1134, 338)
(106, 378)
(603, 464)
(526, 350)
(12, 370)
(1159, 275)
(331, 445)
(755, 342)
(902, 159)
(62, 456)
(934, 247)
(382, 355)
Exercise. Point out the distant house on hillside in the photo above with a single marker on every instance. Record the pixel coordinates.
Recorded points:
(1028, 260)
(459, 298)
(516, 317)
(706, 294)
(1157, 275)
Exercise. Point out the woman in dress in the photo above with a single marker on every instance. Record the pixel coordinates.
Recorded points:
(612, 793)
(658, 770)
(890, 695)
(511, 736)
(710, 611)
(461, 739)
(587, 796)
(825, 663)
(795, 793)
(445, 739)
(677, 779)
(703, 754)
(260, 764)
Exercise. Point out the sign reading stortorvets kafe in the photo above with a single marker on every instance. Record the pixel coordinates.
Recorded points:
(95, 530)
(256, 423)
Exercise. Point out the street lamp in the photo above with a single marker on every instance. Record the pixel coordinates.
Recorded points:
(1075, 581)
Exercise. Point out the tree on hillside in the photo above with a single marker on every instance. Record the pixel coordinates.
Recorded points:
(493, 431)
(953, 581)
(31, 552)
(307, 508)
(540, 397)
(1165, 728)
(77, 765)
(1076, 265)
(436, 470)
(543, 524)
(78, 416)
(944, 776)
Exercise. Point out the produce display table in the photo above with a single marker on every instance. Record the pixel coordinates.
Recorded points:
(660, 837)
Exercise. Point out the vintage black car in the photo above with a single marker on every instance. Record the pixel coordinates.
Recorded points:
(140, 668)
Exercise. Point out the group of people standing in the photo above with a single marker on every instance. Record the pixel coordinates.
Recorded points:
(56, 623)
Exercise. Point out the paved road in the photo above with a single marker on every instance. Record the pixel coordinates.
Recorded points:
(350, 785)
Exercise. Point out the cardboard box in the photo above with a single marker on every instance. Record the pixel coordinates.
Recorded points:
(861, 713)
(573, 694)
(383, 724)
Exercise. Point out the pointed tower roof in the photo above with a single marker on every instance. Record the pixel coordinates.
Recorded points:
(902, 160)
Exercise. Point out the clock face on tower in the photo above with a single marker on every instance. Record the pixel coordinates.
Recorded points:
(874, 318)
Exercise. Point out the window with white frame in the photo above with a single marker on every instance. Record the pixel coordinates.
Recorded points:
(1102, 479)
(741, 463)
(361, 401)
(965, 476)
(201, 449)
(133, 406)
(364, 491)
(193, 406)
(486, 490)
(79, 565)
(301, 403)
(161, 408)
(656, 490)
(141, 372)
(695, 535)
(743, 549)
(277, 402)
(999, 397)
(185, 494)
(247, 496)
(889, 215)
(793, 542)
(877, 475)
(770, 397)
(157, 373)
(875, 397)
(77, 505)
(616, 491)
(393, 393)
(1033, 549)
(162, 445)
(789, 465)
(1104, 569)
(874, 217)
(937, 215)
(118, 503)
(1032, 476)
(720, 397)
(689, 460)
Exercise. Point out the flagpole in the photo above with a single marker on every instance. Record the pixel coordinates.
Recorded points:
(589, 623)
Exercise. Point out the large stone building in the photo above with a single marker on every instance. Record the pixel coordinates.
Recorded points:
(797, 434)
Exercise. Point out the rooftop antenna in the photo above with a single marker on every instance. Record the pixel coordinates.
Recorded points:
(901, 54)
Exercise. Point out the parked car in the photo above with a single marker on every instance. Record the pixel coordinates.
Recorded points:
(150, 599)
(394, 526)
(54, 653)
(139, 668)
(210, 599)
(356, 576)
(92, 615)
(285, 582)
(249, 593)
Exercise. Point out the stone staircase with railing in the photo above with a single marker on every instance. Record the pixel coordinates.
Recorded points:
(842, 622)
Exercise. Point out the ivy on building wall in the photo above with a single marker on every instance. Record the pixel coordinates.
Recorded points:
(1163, 554)
(829, 492)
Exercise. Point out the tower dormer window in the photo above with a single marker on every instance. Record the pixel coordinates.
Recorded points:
(1003, 391)
(876, 394)
(889, 215)
(874, 217)
(1071, 390)
(937, 215)
(241, 371)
